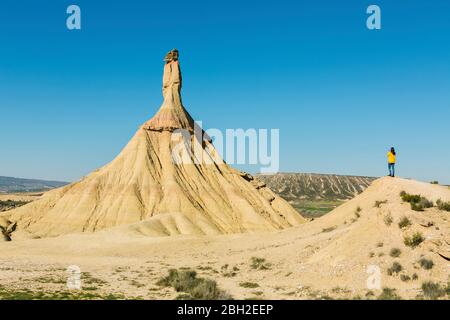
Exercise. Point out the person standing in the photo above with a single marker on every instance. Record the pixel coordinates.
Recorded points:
(391, 162)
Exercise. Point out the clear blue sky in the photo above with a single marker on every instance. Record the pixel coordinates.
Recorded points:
(339, 93)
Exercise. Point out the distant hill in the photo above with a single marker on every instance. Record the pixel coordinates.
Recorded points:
(315, 194)
(10, 185)
(311, 186)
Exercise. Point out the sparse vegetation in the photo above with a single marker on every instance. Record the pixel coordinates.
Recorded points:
(378, 203)
(186, 281)
(229, 272)
(415, 276)
(395, 268)
(388, 219)
(413, 241)
(380, 244)
(370, 294)
(417, 202)
(89, 279)
(28, 294)
(329, 229)
(260, 264)
(434, 182)
(444, 206)
(251, 285)
(395, 252)
(358, 212)
(432, 290)
(426, 263)
(136, 284)
(389, 294)
(11, 204)
(404, 222)
(405, 277)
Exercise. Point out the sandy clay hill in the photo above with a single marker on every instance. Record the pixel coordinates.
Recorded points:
(326, 258)
(171, 180)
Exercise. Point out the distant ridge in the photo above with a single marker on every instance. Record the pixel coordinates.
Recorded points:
(10, 185)
(314, 186)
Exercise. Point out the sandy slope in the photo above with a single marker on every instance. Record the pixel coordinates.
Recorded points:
(305, 261)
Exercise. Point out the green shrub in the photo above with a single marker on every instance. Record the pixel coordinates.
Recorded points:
(415, 276)
(405, 277)
(432, 290)
(445, 206)
(259, 264)
(410, 198)
(358, 212)
(328, 229)
(395, 268)
(414, 241)
(426, 264)
(198, 288)
(378, 203)
(404, 222)
(434, 182)
(388, 219)
(395, 252)
(417, 202)
(422, 204)
(389, 294)
(249, 285)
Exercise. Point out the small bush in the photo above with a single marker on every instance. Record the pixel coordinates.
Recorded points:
(405, 277)
(414, 241)
(434, 182)
(417, 202)
(395, 268)
(389, 294)
(187, 281)
(432, 290)
(395, 252)
(410, 198)
(415, 276)
(422, 205)
(259, 264)
(444, 206)
(249, 285)
(404, 222)
(379, 203)
(328, 229)
(426, 264)
(388, 219)
(380, 244)
(358, 212)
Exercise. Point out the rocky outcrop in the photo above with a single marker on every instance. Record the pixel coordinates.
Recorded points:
(174, 183)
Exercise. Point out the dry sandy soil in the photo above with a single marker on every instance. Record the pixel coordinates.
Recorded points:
(327, 257)
(26, 196)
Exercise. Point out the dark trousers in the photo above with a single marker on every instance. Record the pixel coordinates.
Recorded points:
(391, 167)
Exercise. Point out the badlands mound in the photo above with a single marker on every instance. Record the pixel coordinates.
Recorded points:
(327, 257)
(168, 177)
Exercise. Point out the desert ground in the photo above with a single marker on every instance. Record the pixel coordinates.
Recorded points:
(326, 258)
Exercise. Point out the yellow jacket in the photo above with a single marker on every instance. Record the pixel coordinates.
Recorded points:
(391, 157)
